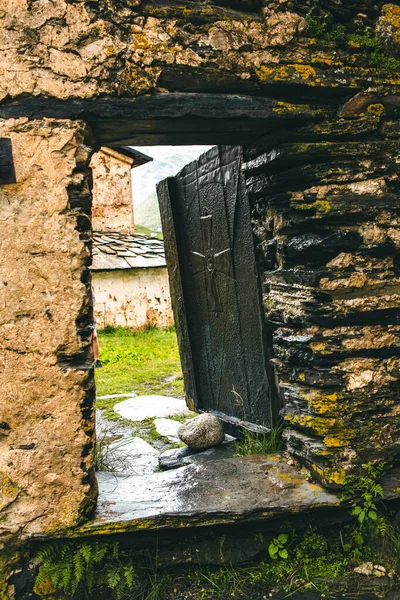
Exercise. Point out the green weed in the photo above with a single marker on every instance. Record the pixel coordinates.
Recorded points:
(276, 548)
(260, 443)
(315, 559)
(85, 569)
(343, 36)
(110, 455)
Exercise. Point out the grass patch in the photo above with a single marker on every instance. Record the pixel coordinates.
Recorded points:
(143, 230)
(145, 362)
(255, 443)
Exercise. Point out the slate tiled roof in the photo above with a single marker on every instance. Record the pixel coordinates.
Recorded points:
(114, 250)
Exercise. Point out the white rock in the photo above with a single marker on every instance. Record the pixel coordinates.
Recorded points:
(379, 571)
(141, 407)
(368, 568)
(168, 428)
(134, 446)
(202, 432)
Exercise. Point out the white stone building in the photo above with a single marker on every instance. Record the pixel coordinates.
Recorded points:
(129, 274)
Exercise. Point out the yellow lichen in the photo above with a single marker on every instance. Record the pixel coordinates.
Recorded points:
(45, 589)
(320, 426)
(305, 71)
(333, 442)
(330, 476)
(322, 403)
(391, 17)
(263, 73)
(376, 109)
(8, 490)
(290, 479)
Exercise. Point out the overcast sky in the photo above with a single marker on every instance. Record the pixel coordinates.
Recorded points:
(168, 160)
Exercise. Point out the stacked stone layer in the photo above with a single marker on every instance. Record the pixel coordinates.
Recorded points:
(327, 218)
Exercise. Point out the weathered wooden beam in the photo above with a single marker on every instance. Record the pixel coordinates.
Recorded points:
(171, 118)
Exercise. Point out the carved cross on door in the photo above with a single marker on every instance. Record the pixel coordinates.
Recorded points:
(212, 262)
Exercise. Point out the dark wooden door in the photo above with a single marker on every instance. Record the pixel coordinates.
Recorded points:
(214, 286)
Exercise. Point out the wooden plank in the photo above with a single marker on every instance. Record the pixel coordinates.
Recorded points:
(175, 283)
(219, 283)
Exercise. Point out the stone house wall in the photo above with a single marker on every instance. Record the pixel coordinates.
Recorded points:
(112, 208)
(133, 298)
(325, 199)
(329, 249)
(46, 416)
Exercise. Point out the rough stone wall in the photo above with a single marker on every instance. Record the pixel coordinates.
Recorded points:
(46, 415)
(78, 49)
(326, 215)
(133, 298)
(329, 208)
(112, 207)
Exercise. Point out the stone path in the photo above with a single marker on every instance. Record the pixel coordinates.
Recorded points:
(141, 407)
(151, 487)
(134, 450)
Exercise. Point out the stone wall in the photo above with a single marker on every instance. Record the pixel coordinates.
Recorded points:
(70, 49)
(112, 207)
(326, 217)
(323, 89)
(133, 298)
(46, 416)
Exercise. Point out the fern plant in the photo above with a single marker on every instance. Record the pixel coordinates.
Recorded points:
(86, 569)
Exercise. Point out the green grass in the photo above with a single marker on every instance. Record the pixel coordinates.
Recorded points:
(138, 362)
(142, 230)
(253, 443)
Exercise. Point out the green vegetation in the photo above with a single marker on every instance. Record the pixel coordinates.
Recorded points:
(260, 443)
(315, 560)
(142, 230)
(344, 36)
(366, 489)
(109, 454)
(276, 548)
(145, 362)
(85, 569)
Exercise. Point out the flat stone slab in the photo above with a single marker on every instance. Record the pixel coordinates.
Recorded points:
(233, 490)
(111, 396)
(141, 407)
(167, 428)
(173, 459)
(132, 456)
(135, 447)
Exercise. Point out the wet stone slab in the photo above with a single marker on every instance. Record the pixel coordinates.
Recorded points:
(168, 428)
(173, 459)
(141, 407)
(219, 491)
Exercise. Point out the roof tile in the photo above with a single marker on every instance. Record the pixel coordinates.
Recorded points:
(114, 250)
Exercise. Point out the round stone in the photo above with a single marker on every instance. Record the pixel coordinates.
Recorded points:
(202, 432)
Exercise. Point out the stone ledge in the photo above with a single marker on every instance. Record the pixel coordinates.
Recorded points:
(230, 491)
